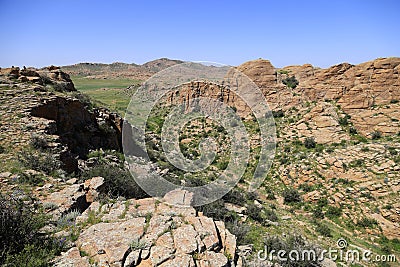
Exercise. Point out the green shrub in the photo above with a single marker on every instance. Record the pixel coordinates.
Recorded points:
(217, 211)
(392, 151)
(323, 230)
(291, 195)
(344, 120)
(39, 161)
(291, 82)
(306, 187)
(333, 212)
(23, 242)
(356, 163)
(39, 142)
(270, 215)
(376, 135)
(309, 142)
(322, 202)
(278, 113)
(365, 149)
(367, 223)
(240, 230)
(84, 99)
(235, 196)
(317, 213)
(352, 130)
(31, 178)
(254, 212)
(68, 219)
(117, 180)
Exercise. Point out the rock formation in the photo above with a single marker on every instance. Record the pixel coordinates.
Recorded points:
(140, 232)
(76, 126)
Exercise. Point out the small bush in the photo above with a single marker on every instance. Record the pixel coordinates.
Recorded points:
(139, 245)
(352, 130)
(235, 196)
(322, 202)
(278, 113)
(39, 142)
(84, 99)
(22, 242)
(323, 230)
(333, 212)
(317, 213)
(291, 82)
(240, 230)
(356, 163)
(376, 135)
(217, 211)
(31, 179)
(39, 161)
(343, 121)
(50, 206)
(291, 195)
(306, 187)
(309, 142)
(118, 181)
(254, 212)
(68, 219)
(270, 215)
(367, 223)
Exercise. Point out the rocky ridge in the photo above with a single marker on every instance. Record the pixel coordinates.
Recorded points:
(149, 232)
(120, 70)
(48, 105)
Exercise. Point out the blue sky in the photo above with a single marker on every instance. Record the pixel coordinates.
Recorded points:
(323, 33)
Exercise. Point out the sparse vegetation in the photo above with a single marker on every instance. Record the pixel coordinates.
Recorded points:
(39, 142)
(333, 212)
(291, 82)
(23, 242)
(323, 229)
(39, 161)
(376, 135)
(366, 222)
(291, 195)
(118, 181)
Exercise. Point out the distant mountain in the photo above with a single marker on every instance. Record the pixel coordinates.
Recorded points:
(120, 69)
(160, 64)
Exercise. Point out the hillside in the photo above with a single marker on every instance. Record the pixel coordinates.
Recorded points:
(119, 70)
(335, 173)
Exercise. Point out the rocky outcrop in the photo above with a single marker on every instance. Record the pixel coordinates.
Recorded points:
(67, 120)
(52, 75)
(260, 71)
(368, 92)
(147, 232)
(80, 128)
(322, 123)
(188, 92)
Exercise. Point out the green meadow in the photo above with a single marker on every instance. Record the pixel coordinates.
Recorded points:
(107, 92)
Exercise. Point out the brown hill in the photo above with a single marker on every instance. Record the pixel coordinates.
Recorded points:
(120, 70)
(368, 92)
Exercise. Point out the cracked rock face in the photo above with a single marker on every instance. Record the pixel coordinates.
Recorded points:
(152, 233)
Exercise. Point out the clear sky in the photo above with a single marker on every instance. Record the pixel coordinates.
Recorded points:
(323, 33)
